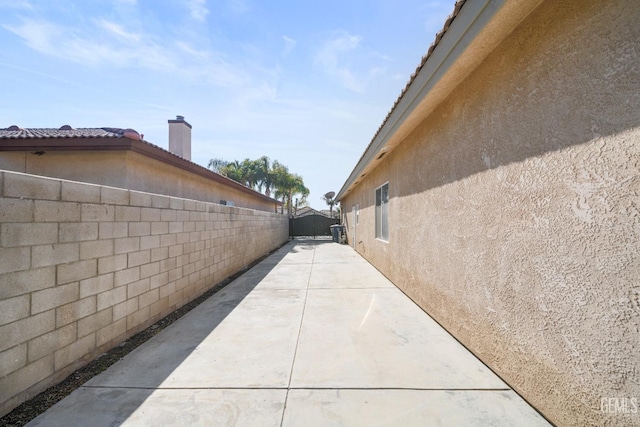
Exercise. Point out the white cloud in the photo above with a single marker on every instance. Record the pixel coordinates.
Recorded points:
(353, 66)
(190, 50)
(330, 55)
(118, 30)
(15, 4)
(198, 10)
(110, 44)
(238, 7)
(222, 74)
(289, 45)
(256, 95)
(37, 35)
(92, 49)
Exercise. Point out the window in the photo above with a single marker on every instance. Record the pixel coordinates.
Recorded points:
(382, 212)
(357, 213)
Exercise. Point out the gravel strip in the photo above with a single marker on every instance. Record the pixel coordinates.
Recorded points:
(43, 401)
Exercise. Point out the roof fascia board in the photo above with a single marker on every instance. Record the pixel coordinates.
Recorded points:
(164, 156)
(470, 21)
(141, 147)
(65, 144)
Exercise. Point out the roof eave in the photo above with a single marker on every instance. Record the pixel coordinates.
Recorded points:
(440, 74)
(155, 152)
(122, 143)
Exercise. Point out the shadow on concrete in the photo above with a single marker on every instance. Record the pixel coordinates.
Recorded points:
(113, 396)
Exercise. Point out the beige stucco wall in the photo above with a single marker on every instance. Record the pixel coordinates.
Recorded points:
(515, 211)
(128, 169)
(83, 267)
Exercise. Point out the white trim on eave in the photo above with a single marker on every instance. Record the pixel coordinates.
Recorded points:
(442, 72)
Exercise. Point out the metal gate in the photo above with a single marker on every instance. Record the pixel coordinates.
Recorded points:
(311, 225)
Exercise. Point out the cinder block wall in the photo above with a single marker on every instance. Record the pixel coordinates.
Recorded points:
(83, 267)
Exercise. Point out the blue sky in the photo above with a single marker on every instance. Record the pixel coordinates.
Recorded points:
(307, 83)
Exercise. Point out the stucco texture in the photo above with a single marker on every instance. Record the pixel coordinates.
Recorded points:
(514, 213)
(131, 170)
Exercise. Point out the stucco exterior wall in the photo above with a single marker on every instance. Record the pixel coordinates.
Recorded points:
(128, 169)
(83, 267)
(514, 213)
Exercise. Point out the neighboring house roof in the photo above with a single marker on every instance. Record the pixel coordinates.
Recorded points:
(307, 210)
(15, 132)
(66, 138)
(470, 33)
(329, 213)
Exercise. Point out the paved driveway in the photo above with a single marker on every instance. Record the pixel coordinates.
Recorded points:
(313, 335)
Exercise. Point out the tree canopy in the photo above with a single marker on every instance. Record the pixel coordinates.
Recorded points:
(266, 176)
(330, 200)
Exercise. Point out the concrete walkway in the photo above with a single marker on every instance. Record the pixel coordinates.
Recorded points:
(312, 336)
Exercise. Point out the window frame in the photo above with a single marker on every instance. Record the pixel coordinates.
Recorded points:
(382, 213)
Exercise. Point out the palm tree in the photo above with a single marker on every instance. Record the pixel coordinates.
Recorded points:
(265, 174)
(233, 170)
(298, 188)
(262, 174)
(250, 173)
(299, 203)
(282, 183)
(287, 185)
(329, 200)
(217, 164)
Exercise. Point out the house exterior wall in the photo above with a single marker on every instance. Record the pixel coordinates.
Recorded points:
(83, 267)
(514, 212)
(128, 169)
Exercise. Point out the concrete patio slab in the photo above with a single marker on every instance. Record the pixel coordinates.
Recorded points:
(218, 345)
(343, 254)
(296, 253)
(343, 275)
(279, 276)
(408, 408)
(312, 335)
(153, 408)
(378, 338)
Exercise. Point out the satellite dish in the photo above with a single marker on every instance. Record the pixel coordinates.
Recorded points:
(330, 194)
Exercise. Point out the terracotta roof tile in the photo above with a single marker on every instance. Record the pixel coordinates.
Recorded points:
(456, 9)
(14, 132)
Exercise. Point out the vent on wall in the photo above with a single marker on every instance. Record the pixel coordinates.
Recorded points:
(381, 155)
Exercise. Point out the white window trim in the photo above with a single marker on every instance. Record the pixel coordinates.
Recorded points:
(378, 236)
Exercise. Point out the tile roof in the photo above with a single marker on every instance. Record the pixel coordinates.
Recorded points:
(14, 138)
(456, 9)
(14, 132)
(307, 210)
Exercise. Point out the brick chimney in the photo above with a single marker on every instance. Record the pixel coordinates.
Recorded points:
(180, 137)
